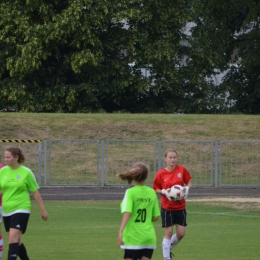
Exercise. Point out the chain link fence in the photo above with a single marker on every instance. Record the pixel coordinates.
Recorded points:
(97, 162)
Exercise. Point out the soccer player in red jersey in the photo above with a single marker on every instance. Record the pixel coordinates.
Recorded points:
(173, 212)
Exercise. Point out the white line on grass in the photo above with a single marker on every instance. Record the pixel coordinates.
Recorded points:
(98, 208)
(81, 227)
(190, 212)
(202, 213)
(225, 214)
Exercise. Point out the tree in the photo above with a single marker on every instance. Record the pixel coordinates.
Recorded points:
(220, 29)
(66, 55)
(243, 79)
(74, 56)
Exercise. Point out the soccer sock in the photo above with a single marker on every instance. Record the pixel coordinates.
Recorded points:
(166, 245)
(23, 253)
(1, 245)
(174, 241)
(13, 251)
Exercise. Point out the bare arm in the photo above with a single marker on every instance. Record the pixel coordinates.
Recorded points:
(125, 219)
(189, 184)
(38, 198)
(155, 218)
(158, 191)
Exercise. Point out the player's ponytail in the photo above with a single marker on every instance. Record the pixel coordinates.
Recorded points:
(138, 172)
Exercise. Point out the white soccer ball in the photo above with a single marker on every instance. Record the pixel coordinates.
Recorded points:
(176, 192)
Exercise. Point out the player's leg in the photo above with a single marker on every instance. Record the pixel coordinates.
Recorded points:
(167, 223)
(1, 237)
(18, 225)
(166, 243)
(23, 219)
(146, 254)
(1, 246)
(176, 238)
(180, 232)
(138, 254)
(130, 254)
(13, 237)
(180, 224)
(23, 252)
(1, 243)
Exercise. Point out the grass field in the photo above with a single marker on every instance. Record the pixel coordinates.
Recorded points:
(132, 127)
(88, 230)
(129, 126)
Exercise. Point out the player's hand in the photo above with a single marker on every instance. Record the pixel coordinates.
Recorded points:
(44, 215)
(165, 192)
(120, 242)
(186, 191)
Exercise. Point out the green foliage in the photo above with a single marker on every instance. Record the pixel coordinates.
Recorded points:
(243, 79)
(74, 56)
(220, 30)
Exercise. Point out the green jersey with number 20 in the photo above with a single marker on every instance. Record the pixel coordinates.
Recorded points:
(15, 186)
(142, 203)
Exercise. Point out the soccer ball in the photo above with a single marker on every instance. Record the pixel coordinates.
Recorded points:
(176, 192)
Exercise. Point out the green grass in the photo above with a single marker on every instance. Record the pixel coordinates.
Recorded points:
(157, 127)
(88, 230)
(129, 126)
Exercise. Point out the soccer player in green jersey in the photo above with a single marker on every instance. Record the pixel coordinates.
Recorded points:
(16, 181)
(140, 207)
(1, 237)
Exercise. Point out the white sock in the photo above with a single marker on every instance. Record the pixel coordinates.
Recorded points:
(166, 245)
(174, 241)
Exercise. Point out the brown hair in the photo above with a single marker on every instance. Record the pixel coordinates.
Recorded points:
(16, 151)
(170, 151)
(138, 172)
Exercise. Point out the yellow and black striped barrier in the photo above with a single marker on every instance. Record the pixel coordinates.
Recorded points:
(20, 141)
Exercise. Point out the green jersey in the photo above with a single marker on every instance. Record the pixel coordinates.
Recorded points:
(15, 186)
(142, 203)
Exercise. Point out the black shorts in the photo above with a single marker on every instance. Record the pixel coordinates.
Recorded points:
(136, 254)
(17, 220)
(172, 217)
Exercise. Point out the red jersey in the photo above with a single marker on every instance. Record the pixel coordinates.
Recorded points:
(165, 179)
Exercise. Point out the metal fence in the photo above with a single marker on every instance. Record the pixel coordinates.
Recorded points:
(239, 163)
(97, 162)
(32, 150)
